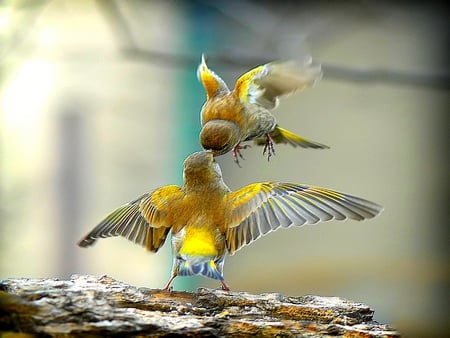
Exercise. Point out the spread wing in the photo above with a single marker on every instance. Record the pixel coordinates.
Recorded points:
(144, 221)
(264, 207)
(264, 84)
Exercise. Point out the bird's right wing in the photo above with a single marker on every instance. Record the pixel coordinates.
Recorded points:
(260, 208)
(263, 85)
(144, 221)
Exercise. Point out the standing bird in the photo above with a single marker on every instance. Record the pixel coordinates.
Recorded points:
(231, 117)
(207, 219)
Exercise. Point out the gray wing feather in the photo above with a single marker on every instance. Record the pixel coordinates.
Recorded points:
(282, 205)
(128, 221)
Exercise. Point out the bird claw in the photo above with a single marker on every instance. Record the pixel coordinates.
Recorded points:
(268, 147)
(169, 286)
(225, 286)
(237, 153)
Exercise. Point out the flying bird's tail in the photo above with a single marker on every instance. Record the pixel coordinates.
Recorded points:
(280, 135)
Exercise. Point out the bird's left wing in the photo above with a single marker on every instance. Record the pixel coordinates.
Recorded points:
(145, 221)
(264, 84)
(213, 83)
(260, 208)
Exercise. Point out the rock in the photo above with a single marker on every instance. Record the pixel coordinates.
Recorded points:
(101, 306)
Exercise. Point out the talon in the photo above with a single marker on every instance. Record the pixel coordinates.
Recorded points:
(269, 147)
(237, 153)
(225, 287)
(168, 286)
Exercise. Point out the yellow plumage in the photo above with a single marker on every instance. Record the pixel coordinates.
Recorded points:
(207, 220)
(199, 241)
(231, 117)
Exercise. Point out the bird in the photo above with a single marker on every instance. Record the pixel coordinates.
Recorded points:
(207, 220)
(229, 118)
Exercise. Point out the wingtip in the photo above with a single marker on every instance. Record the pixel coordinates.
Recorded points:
(310, 71)
(201, 67)
(378, 209)
(86, 242)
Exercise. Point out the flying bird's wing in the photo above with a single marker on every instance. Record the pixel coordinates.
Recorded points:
(260, 208)
(144, 221)
(212, 82)
(264, 84)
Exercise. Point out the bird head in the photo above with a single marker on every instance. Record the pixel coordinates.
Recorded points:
(219, 136)
(202, 172)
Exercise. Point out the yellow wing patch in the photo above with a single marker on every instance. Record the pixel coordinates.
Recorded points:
(212, 82)
(245, 84)
(245, 194)
(156, 208)
(209, 82)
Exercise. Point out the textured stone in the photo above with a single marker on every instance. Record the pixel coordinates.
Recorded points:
(103, 306)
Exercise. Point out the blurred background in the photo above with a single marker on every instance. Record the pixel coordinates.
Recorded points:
(100, 103)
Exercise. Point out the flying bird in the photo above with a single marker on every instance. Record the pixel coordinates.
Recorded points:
(229, 118)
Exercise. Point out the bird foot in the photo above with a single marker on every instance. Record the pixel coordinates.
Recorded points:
(225, 286)
(268, 147)
(237, 153)
(168, 286)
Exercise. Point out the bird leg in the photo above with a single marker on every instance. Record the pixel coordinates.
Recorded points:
(237, 152)
(269, 147)
(225, 286)
(168, 287)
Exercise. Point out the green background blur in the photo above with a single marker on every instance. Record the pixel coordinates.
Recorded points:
(100, 103)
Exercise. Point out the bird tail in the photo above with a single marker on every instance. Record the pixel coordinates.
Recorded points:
(280, 135)
(202, 267)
